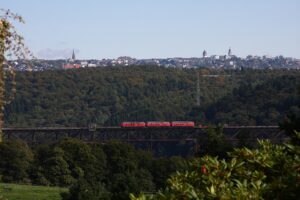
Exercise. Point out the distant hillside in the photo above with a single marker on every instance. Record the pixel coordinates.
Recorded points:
(258, 103)
(107, 96)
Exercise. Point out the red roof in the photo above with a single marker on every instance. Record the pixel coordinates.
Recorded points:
(71, 66)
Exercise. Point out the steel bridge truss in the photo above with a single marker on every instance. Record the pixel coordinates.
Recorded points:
(145, 134)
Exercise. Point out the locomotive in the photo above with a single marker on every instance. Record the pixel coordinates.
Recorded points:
(160, 124)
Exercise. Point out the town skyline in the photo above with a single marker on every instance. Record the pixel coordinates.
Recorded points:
(72, 53)
(144, 29)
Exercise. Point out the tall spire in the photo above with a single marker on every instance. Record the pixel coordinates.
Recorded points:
(73, 55)
(229, 52)
(204, 54)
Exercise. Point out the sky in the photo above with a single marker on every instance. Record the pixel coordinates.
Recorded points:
(97, 29)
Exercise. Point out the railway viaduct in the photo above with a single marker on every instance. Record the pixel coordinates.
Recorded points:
(144, 134)
(177, 139)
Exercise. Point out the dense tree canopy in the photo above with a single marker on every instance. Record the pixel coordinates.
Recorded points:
(107, 96)
(12, 44)
(269, 172)
(91, 171)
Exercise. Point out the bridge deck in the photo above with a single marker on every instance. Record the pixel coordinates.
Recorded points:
(139, 134)
(51, 129)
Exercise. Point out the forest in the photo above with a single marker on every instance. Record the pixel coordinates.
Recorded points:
(108, 96)
(114, 170)
(109, 171)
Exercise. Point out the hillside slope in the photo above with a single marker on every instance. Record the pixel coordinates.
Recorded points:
(107, 96)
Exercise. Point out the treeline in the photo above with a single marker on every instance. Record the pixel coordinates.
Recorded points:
(268, 172)
(103, 171)
(114, 170)
(107, 96)
(259, 102)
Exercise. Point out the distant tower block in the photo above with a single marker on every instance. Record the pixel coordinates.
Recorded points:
(229, 52)
(73, 55)
(204, 54)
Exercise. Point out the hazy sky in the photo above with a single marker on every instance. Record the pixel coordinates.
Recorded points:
(158, 28)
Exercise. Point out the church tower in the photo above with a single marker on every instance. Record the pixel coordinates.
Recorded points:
(229, 52)
(73, 56)
(204, 54)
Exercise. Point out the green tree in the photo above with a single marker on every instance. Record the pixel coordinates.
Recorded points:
(85, 161)
(163, 168)
(53, 167)
(269, 172)
(123, 173)
(10, 43)
(214, 143)
(16, 158)
(291, 123)
(84, 190)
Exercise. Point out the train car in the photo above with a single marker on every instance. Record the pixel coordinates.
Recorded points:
(158, 124)
(183, 124)
(202, 126)
(133, 124)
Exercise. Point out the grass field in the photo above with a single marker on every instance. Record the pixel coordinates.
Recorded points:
(28, 192)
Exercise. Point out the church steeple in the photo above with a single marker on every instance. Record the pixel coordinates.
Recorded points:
(204, 54)
(73, 55)
(229, 52)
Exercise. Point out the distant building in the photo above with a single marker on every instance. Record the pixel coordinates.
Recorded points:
(73, 56)
(92, 65)
(204, 54)
(249, 57)
(229, 52)
(71, 66)
(70, 63)
(84, 63)
(216, 57)
(222, 57)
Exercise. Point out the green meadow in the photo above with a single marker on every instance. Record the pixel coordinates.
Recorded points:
(29, 192)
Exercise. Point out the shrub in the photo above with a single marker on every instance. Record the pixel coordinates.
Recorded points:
(269, 172)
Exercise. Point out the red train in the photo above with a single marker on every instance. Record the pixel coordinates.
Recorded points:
(133, 124)
(161, 124)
